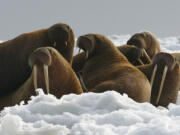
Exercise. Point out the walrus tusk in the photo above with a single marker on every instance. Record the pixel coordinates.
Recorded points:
(46, 77)
(66, 43)
(87, 53)
(35, 76)
(82, 82)
(147, 56)
(54, 44)
(140, 61)
(79, 50)
(162, 84)
(153, 75)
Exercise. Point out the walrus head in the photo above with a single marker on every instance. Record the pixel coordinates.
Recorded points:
(59, 33)
(138, 40)
(61, 37)
(94, 44)
(86, 43)
(165, 62)
(132, 53)
(40, 57)
(164, 59)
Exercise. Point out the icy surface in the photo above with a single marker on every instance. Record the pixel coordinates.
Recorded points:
(108, 113)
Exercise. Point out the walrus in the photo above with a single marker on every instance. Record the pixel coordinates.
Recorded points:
(176, 56)
(14, 54)
(51, 72)
(147, 41)
(132, 53)
(164, 76)
(108, 69)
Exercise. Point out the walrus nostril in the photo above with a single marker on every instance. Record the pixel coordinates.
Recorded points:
(40, 56)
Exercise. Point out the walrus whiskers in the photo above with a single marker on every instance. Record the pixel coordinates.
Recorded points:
(147, 56)
(46, 77)
(162, 84)
(35, 76)
(140, 61)
(153, 76)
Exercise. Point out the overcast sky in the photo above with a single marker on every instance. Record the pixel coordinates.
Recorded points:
(161, 17)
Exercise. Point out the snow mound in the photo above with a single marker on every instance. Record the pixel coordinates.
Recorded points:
(108, 113)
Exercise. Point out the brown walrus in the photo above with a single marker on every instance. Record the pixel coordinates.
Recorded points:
(164, 75)
(132, 53)
(50, 72)
(148, 42)
(176, 56)
(14, 54)
(107, 69)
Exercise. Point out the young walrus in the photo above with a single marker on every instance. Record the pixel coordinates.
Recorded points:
(164, 75)
(51, 72)
(14, 54)
(148, 42)
(107, 69)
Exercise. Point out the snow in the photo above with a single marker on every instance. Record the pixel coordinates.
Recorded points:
(108, 113)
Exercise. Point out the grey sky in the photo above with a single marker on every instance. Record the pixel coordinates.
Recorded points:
(161, 17)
